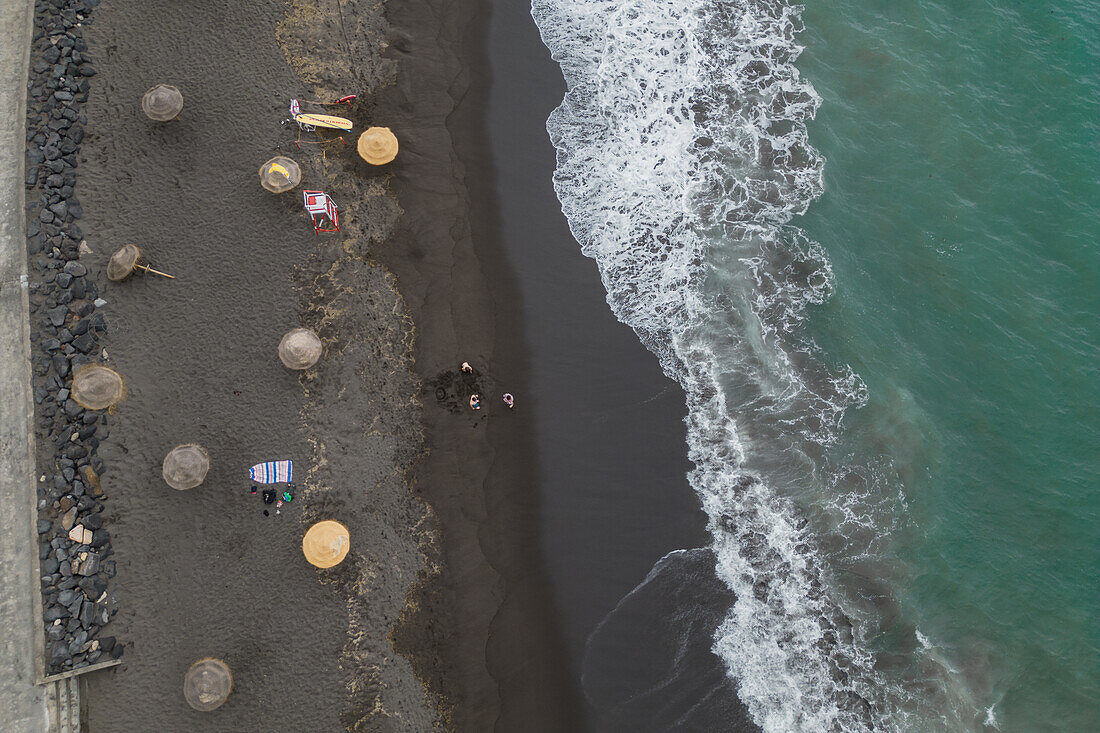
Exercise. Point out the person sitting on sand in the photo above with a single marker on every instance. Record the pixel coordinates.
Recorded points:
(509, 400)
(475, 402)
(467, 368)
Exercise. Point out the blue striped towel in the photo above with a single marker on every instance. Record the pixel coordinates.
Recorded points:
(272, 472)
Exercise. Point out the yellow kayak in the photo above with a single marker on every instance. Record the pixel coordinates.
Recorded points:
(335, 123)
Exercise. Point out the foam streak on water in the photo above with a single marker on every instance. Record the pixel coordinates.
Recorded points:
(682, 157)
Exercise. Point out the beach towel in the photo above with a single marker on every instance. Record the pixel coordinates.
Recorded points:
(272, 472)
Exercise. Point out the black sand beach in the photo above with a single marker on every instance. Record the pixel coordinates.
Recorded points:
(471, 611)
(587, 488)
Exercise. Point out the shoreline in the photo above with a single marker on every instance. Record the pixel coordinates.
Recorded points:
(592, 464)
(611, 469)
(72, 604)
(489, 634)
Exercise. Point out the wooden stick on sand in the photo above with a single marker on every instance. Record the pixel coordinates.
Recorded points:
(155, 272)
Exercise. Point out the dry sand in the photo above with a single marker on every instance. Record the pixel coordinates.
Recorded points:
(203, 572)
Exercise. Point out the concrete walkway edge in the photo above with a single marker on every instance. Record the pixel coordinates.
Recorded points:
(23, 703)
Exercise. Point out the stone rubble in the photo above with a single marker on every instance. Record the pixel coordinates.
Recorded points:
(66, 329)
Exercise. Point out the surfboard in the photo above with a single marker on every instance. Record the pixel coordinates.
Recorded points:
(336, 123)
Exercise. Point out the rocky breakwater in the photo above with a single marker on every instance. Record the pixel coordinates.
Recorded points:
(66, 328)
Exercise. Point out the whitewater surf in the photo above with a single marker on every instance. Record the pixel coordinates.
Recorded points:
(682, 160)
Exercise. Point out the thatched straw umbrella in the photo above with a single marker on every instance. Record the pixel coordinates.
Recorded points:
(300, 349)
(377, 145)
(280, 174)
(125, 260)
(326, 543)
(185, 466)
(207, 684)
(96, 387)
(162, 103)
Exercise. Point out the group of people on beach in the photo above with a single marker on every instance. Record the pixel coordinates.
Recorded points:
(475, 399)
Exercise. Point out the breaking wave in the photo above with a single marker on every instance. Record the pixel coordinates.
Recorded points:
(682, 157)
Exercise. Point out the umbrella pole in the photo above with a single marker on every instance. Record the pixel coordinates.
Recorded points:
(156, 272)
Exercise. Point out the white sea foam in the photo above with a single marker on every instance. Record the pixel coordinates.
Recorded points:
(682, 156)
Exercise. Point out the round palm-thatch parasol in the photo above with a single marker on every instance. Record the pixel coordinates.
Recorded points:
(207, 684)
(300, 348)
(377, 145)
(125, 260)
(162, 103)
(326, 543)
(185, 466)
(96, 387)
(280, 174)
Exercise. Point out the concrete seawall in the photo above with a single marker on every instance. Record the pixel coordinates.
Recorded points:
(23, 704)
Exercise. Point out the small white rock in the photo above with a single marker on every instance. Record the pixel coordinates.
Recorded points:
(99, 302)
(84, 248)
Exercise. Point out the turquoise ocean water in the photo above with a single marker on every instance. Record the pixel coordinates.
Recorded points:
(863, 237)
(961, 216)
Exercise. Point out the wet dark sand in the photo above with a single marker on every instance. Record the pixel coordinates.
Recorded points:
(609, 459)
(587, 488)
(541, 519)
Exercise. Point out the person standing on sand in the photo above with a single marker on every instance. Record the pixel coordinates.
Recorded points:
(466, 368)
(509, 400)
(475, 402)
